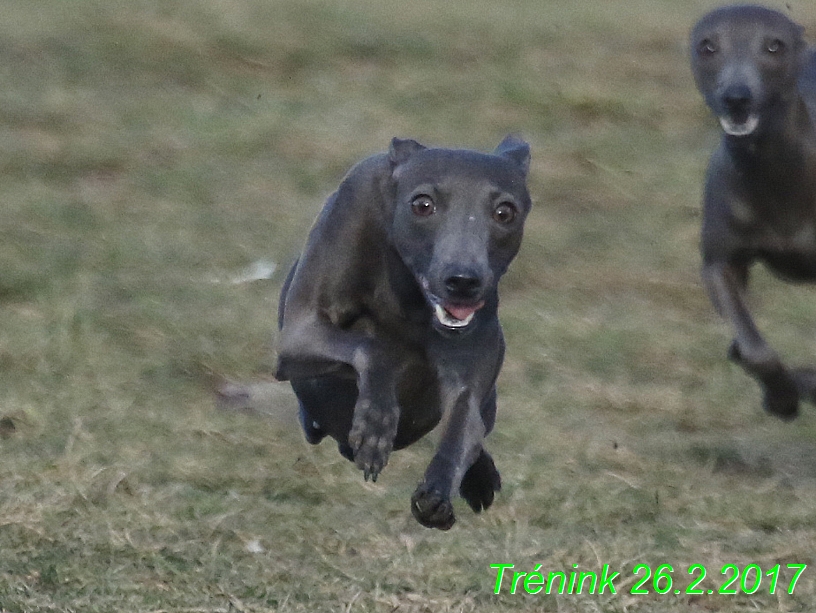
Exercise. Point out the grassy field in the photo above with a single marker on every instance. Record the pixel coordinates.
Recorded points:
(150, 152)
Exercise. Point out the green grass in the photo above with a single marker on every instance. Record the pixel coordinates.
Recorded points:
(148, 149)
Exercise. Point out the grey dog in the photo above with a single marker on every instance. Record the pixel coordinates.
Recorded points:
(758, 77)
(388, 320)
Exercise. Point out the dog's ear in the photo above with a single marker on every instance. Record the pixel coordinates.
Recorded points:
(403, 148)
(800, 38)
(516, 149)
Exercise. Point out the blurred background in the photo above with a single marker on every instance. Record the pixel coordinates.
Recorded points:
(160, 166)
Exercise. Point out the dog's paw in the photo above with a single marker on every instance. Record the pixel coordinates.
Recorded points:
(781, 395)
(480, 483)
(432, 509)
(371, 438)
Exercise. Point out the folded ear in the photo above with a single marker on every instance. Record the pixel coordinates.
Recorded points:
(403, 148)
(515, 149)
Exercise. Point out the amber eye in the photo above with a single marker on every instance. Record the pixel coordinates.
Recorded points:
(707, 47)
(775, 46)
(423, 206)
(505, 213)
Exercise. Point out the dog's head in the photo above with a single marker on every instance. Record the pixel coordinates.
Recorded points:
(745, 60)
(457, 222)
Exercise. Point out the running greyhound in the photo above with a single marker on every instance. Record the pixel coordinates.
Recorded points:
(758, 77)
(388, 321)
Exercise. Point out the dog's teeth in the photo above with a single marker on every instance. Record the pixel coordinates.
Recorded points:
(745, 128)
(448, 321)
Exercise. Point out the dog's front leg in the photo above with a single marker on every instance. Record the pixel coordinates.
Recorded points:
(726, 283)
(376, 414)
(312, 346)
(460, 462)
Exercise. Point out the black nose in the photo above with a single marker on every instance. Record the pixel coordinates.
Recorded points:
(737, 98)
(463, 285)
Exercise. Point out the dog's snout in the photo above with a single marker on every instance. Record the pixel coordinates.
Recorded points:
(463, 285)
(737, 97)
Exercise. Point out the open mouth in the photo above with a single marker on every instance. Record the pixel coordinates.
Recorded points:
(455, 316)
(743, 126)
(448, 315)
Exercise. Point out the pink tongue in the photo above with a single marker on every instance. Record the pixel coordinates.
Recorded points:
(462, 312)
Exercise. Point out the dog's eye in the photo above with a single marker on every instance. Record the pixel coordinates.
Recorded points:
(774, 46)
(505, 213)
(423, 206)
(707, 47)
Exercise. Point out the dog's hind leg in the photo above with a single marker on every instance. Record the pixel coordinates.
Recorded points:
(326, 406)
(726, 285)
(480, 483)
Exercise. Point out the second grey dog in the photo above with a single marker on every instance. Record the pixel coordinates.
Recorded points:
(758, 77)
(388, 321)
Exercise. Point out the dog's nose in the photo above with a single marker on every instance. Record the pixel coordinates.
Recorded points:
(463, 285)
(737, 97)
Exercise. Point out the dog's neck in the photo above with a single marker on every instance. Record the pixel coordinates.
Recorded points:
(780, 148)
(778, 163)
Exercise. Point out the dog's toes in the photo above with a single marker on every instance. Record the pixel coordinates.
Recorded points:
(781, 396)
(480, 483)
(371, 440)
(432, 509)
(371, 456)
(373, 471)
